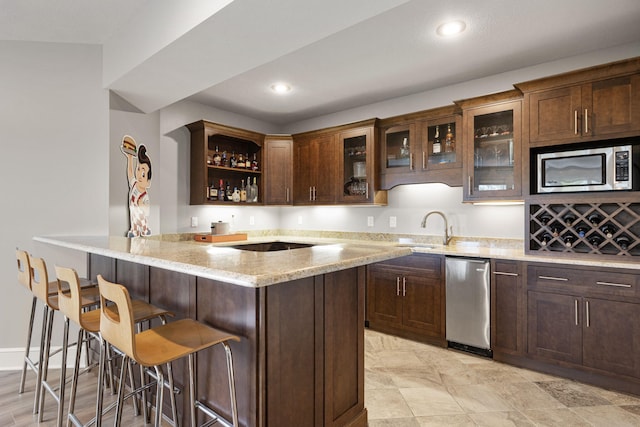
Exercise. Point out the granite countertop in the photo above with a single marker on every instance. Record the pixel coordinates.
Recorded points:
(338, 251)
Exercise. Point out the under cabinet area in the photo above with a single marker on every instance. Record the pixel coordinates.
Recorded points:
(405, 297)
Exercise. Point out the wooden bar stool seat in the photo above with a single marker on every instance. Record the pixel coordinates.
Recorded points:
(162, 345)
(70, 305)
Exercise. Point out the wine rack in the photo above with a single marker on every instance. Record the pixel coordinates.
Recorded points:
(603, 229)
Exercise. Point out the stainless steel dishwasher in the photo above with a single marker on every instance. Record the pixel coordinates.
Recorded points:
(468, 305)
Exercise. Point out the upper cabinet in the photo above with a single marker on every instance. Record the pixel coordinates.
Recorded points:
(223, 158)
(337, 165)
(421, 147)
(597, 103)
(492, 159)
(278, 165)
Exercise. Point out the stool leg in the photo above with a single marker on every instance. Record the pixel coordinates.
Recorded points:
(174, 408)
(120, 401)
(74, 381)
(63, 370)
(232, 384)
(43, 340)
(101, 381)
(159, 395)
(45, 362)
(27, 349)
(192, 390)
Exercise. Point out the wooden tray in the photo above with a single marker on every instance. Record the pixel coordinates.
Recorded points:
(215, 238)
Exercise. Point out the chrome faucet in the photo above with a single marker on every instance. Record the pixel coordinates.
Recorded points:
(446, 238)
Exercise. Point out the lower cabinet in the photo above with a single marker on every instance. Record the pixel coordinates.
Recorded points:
(508, 306)
(405, 297)
(585, 317)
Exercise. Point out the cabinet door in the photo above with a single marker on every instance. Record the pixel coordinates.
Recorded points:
(555, 114)
(554, 327)
(506, 307)
(612, 336)
(278, 165)
(611, 106)
(356, 166)
(384, 300)
(315, 164)
(399, 145)
(422, 303)
(493, 161)
(441, 144)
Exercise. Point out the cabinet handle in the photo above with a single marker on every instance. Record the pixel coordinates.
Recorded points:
(424, 160)
(587, 313)
(586, 121)
(366, 195)
(310, 194)
(287, 197)
(576, 311)
(619, 285)
(411, 161)
(404, 286)
(559, 279)
(398, 286)
(575, 122)
(502, 273)
(314, 193)
(469, 186)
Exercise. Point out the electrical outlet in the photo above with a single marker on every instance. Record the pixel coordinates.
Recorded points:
(369, 221)
(299, 219)
(194, 221)
(393, 221)
(252, 220)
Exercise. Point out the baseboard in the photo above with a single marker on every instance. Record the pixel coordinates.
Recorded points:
(11, 359)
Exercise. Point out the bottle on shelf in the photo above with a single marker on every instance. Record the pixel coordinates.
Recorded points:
(233, 161)
(545, 218)
(404, 149)
(595, 219)
(254, 162)
(235, 196)
(449, 141)
(437, 145)
(254, 190)
(546, 238)
(217, 157)
(213, 192)
(249, 191)
(243, 192)
(595, 240)
(240, 163)
(568, 239)
(623, 242)
(555, 229)
(247, 163)
(223, 159)
(569, 218)
(229, 193)
(582, 230)
(609, 230)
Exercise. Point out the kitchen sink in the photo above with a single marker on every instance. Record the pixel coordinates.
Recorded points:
(272, 246)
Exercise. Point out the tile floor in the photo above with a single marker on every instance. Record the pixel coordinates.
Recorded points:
(408, 384)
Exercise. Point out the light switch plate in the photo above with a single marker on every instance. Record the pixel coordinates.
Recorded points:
(194, 221)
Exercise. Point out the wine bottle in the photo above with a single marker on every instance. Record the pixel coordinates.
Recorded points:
(569, 218)
(217, 158)
(623, 242)
(545, 218)
(582, 230)
(243, 192)
(249, 191)
(254, 190)
(254, 163)
(247, 163)
(546, 238)
(568, 239)
(608, 230)
(555, 229)
(437, 146)
(233, 161)
(595, 240)
(595, 219)
(449, 141)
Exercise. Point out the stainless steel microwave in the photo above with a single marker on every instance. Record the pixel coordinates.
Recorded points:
(593, 169)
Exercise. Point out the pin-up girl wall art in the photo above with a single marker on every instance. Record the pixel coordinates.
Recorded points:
(139, 178)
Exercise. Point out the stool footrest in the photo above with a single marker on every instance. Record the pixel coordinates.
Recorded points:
(215, 417)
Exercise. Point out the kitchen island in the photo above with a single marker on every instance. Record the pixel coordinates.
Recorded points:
(299, 314)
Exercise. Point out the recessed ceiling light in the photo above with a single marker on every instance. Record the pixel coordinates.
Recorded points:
(451, 28)
(280, 88)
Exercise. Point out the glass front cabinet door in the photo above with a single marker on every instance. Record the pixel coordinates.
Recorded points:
(493, 157)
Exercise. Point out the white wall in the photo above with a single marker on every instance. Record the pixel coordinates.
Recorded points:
(54, 172)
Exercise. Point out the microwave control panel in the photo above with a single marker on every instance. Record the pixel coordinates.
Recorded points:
(622, 166)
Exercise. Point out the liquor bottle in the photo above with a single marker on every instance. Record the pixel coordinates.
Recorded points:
(449, 141)
(546, 238)
(249, 191)
(223, 160)
(240, 161)
(217, 158)
(436, 141)
(243, 192)
(221, 192)
(595, 219)
(254, 163)
(247, 163)
(213, 192)
(235, 196)
(623, 242)
(595, 240)
(254, 190)
(568, 218)
(404, 149)
(229, 193)
(233, 161)
(608, 230)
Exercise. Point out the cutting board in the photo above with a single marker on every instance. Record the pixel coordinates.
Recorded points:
(216, 238)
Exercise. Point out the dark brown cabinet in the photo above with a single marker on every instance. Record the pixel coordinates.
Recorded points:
(421, 147)
(595, 110)
(315, 164)
(278, 165)
(492, 147)
(405, 297)
(507, 307)
(585, 317)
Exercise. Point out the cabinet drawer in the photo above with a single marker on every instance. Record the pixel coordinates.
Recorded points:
(429, 265)
(585, 280)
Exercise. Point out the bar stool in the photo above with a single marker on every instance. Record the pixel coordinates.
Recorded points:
(89, 324)
(161, 345)
(41, 288)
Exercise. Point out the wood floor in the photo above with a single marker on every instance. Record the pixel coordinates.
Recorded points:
(17, 409)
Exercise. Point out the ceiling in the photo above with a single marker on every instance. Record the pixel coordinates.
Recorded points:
(335, 54)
